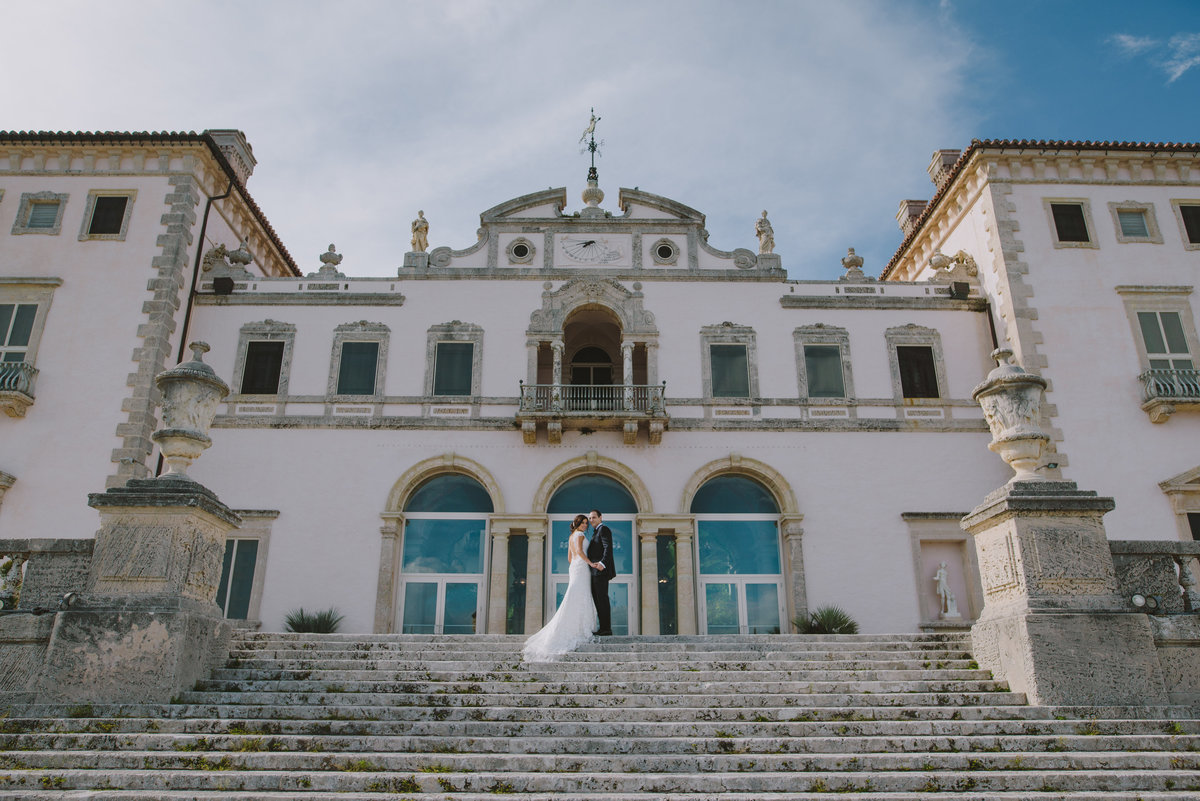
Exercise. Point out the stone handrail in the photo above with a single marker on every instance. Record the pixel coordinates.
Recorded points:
(1170, 385)
(593, 398)
(1160, 571)
(49, 568)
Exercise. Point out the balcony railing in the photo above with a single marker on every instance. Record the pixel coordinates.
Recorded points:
(16, 387)
(1166, 391)
(555, 407)
(614, 399)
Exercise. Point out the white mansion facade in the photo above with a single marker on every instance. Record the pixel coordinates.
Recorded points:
(411, 449)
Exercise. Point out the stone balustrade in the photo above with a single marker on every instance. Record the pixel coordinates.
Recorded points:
(1162, 572)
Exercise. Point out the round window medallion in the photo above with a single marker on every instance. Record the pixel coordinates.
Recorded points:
(520, 251)
(664, 251)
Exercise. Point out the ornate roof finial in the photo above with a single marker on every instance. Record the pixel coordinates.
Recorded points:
(593, 194)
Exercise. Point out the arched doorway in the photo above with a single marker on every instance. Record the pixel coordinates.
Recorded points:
(580, 495)
(442, 559)
(740, 557)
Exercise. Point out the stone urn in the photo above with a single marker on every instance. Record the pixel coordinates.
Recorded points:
(1011, 399)
(190, 395)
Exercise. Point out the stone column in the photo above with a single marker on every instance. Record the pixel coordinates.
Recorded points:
(1053, 625)
(797, 597)
(146, 626)
(649, 568)
(498, 583)
(535, 579)
(556, 399)
(627, 371)
(389, 565)
(685, 581)
(6, 483)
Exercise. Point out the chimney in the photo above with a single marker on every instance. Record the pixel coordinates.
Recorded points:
(907, 216)
(940, 164)
(236, 150)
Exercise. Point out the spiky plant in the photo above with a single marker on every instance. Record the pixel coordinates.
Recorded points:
(826, 620)
(323, 622)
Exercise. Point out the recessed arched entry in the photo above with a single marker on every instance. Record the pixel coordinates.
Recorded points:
(433, 559)
(442, 557)
(579, 495)
(740, 557)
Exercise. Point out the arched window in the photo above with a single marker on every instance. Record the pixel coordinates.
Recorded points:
(578, 496)
(741, 574)
(442, 559)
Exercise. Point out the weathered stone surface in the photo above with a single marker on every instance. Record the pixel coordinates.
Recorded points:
(23, 641)
(129, 656)
(1177, 639)
(53, 567)
(1053, 624)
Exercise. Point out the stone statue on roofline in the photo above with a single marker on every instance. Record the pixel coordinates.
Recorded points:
(420, 233)
(765, 233)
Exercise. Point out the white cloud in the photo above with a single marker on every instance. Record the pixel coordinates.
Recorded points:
(1133, 45)
(1185, 54)
(362, 112)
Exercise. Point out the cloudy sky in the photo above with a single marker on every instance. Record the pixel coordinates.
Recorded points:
(824, 113)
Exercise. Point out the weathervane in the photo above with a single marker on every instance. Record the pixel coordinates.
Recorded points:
(590, 145)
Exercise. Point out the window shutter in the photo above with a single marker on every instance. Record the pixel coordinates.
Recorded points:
(1133, 224)
(43, 215)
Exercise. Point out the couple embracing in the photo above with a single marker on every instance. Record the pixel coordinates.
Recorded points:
(586, 599)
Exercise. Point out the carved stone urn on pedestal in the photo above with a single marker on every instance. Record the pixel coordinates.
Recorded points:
(190, 395)
(1011, 399)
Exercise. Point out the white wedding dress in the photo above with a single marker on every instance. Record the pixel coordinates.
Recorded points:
(572, 624)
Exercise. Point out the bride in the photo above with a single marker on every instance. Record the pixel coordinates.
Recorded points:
(573, 622)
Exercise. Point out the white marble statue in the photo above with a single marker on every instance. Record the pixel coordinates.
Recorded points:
(947, 605)
(420, 233)
(766, 234)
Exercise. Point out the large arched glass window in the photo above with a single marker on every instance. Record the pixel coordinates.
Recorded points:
(579, 496)
(741, 575)
(442, 562)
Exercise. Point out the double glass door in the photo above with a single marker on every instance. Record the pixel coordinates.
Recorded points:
(442, 572)
(440, 605)
(622, 590)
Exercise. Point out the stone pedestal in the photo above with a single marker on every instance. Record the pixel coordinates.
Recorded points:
(147, 625)
(1053, 625)
(416, 260)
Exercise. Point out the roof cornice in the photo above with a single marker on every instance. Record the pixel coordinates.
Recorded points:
(151, 138)
(1044, 147)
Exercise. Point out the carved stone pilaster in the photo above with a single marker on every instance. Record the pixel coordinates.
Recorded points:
(797, 596)
(389, 565)
(649, 571)
(498, 583)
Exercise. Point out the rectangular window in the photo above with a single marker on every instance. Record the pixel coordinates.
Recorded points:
(823, 364)
(237, 578)
(108, 214)
(1194, 524)
(264, 360)
(43, 215)
(1069, 222)
(918, 376)
(1191, 223)
(356, 375)
(16, 327)
(1133, 224)
(730, 371)
(1166, 345)
(452, 368)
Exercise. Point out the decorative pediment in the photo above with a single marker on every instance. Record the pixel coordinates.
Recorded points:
(558, 304)
(547, 203)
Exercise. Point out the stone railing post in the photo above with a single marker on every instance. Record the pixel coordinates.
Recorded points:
(147, 626)
(1053, 625)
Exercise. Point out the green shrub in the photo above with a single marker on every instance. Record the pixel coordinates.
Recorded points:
(324, 622)
(826, 620)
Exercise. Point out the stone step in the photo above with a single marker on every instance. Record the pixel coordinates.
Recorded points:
(302, 703)
(243, 667)
(629, 650)
(38, 732)
(820, 795)
(702, 761)
(931, 748)
(972, 682)
(342, 775)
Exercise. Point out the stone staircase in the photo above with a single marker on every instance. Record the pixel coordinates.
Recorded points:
(295, 716)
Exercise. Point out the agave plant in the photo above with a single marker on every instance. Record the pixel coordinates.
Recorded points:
(323, 622)
(827, 620)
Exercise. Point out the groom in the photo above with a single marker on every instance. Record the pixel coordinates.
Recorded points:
(600, 551)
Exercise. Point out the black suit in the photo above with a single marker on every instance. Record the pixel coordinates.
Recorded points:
(600, 549)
